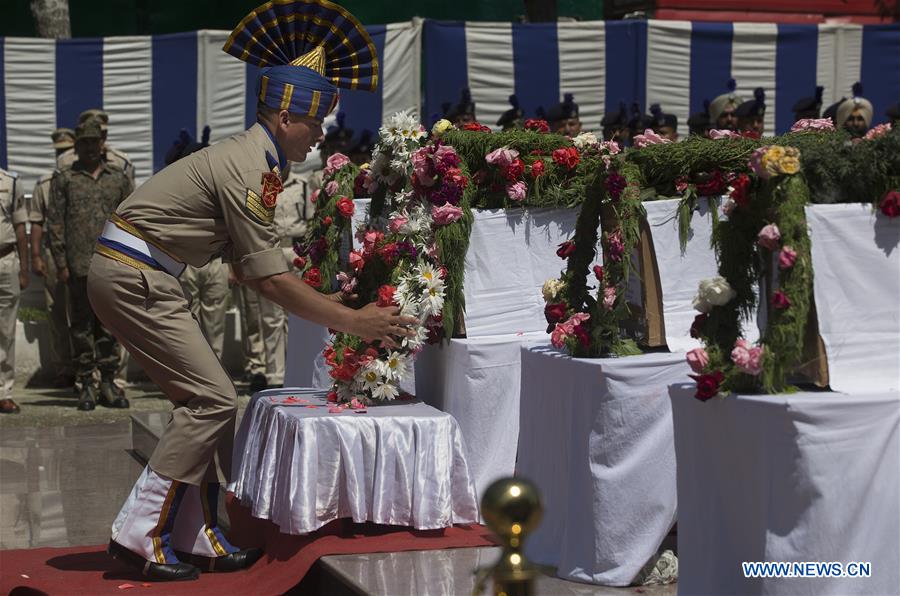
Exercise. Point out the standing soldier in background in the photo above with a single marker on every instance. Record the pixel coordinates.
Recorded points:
(751, 115)
(43, 265)
(109, 154)
(117, 158)
(13, 279)
(807, 108)
(855, 114)
(698, 122)
(462, 113)
(564, 118)
(665, 125)
(81, 198)
(512, 118)
(615, 126)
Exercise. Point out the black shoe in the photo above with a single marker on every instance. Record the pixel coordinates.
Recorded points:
(258, 383)
(243, 559)
(111, 396)
(87, 399)
(166, 572)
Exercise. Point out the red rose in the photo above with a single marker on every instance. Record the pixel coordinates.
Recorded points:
(327, 221)
(537, 125)
(598, 272)
(476, 127)
(332, 397)
(330, 355)
(890, 203)
(313, 277)
(780, 300)
(514, 170)
(713, 185)
(554, 313)
(708, 385)
(741, 194)
(345, 207)
(299, 262)
(537, 169)
(443, 272)
(359, 185)
(566, 157)
(697, 325)
(389, 253)
(583, 336)
(565, 249)
(386, 296)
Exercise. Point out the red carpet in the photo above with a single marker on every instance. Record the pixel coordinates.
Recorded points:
(88, 570)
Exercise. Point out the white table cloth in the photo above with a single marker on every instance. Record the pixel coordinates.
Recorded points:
(300, 466)
(800, 477)
(596, 438)
(856, 279)
(681, 273)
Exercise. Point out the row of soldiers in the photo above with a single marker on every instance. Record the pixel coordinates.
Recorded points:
(67, 211)
(728, 111)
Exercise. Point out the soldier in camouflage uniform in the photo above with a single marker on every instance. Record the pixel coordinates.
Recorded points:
(81, 198)
(110, 154)
(55, 291)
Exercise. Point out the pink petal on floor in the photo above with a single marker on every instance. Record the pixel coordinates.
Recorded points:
(25, 576)
(147, 585)
(126, 586)
(333, 410)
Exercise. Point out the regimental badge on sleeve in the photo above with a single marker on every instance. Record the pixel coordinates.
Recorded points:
(271, 186)
(258, 208)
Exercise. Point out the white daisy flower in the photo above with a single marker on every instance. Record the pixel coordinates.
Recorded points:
(393, 367)
(369, 376)
(429, 276)
(385, 392)
(432, 302)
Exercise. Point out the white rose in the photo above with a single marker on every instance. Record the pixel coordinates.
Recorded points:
(713, 292)
(551, 289)
(585, 140)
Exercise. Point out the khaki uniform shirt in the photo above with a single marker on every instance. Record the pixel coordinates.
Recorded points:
(40, 199)
(79, 207)
(110, 155)
(12, 207)
(210, 203)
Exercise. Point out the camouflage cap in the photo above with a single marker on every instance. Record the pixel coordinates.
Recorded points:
(89, 129)
(63, 138)
(100, 115)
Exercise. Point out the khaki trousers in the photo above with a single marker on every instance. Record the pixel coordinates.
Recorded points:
(149, 314)
(9, 306)
(251, 331)
(56, 297)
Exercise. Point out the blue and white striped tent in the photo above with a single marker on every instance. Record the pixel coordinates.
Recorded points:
(154, 86)
(675, 63)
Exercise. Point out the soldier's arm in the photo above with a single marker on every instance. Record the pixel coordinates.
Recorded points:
(56, 215)
(36, 216)
(20, 216)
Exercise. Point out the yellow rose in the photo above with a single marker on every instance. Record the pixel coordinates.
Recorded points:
(792, 152)
(440, 127)
(775, 152)
(789, 165)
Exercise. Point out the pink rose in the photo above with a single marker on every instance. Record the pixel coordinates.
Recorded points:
(716, 134)
(649, 138)
(314, 196)
(812, 124)
(755, 366)
(578, 318)
(501, 157)
(517, 191)
(787, 257)
(446, 214)
(769, 237)
(740, 355)
(348, 284)
(697, 359)
(397, 223)
(611, 146)
(331, 188)
(877, 131)
(335, 162)
(609, 297)
(559, 335)
(615, 246)
(355, 404)
(356, 261)
(780, 300)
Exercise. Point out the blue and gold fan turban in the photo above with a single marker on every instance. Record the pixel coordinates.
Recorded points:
(307, 49)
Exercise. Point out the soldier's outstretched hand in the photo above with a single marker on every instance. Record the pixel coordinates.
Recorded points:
(383, 323)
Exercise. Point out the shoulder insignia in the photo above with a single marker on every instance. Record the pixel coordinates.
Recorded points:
(271, 186)
(258, 208)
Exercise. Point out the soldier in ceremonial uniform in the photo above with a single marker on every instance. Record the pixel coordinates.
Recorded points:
(665, 125)
(831, 111)
(512, 118)
(81, 198)
(807, 108)
(698, 122)
(563, 117)
(721, 109)
(221, 201)
(751, 115)
(13, 279)
(462, 113)
(43, 265)
(615, 125)
(855, 114)
(639, 121)
(110, 154)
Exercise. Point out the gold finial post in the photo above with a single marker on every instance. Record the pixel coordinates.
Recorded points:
(313, 59)
(512, 509)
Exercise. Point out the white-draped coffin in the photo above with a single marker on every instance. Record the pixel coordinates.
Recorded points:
(680, 272)
(856, 278)
(300, 466)
(793, 478)
(596, 438)
(476, 379)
